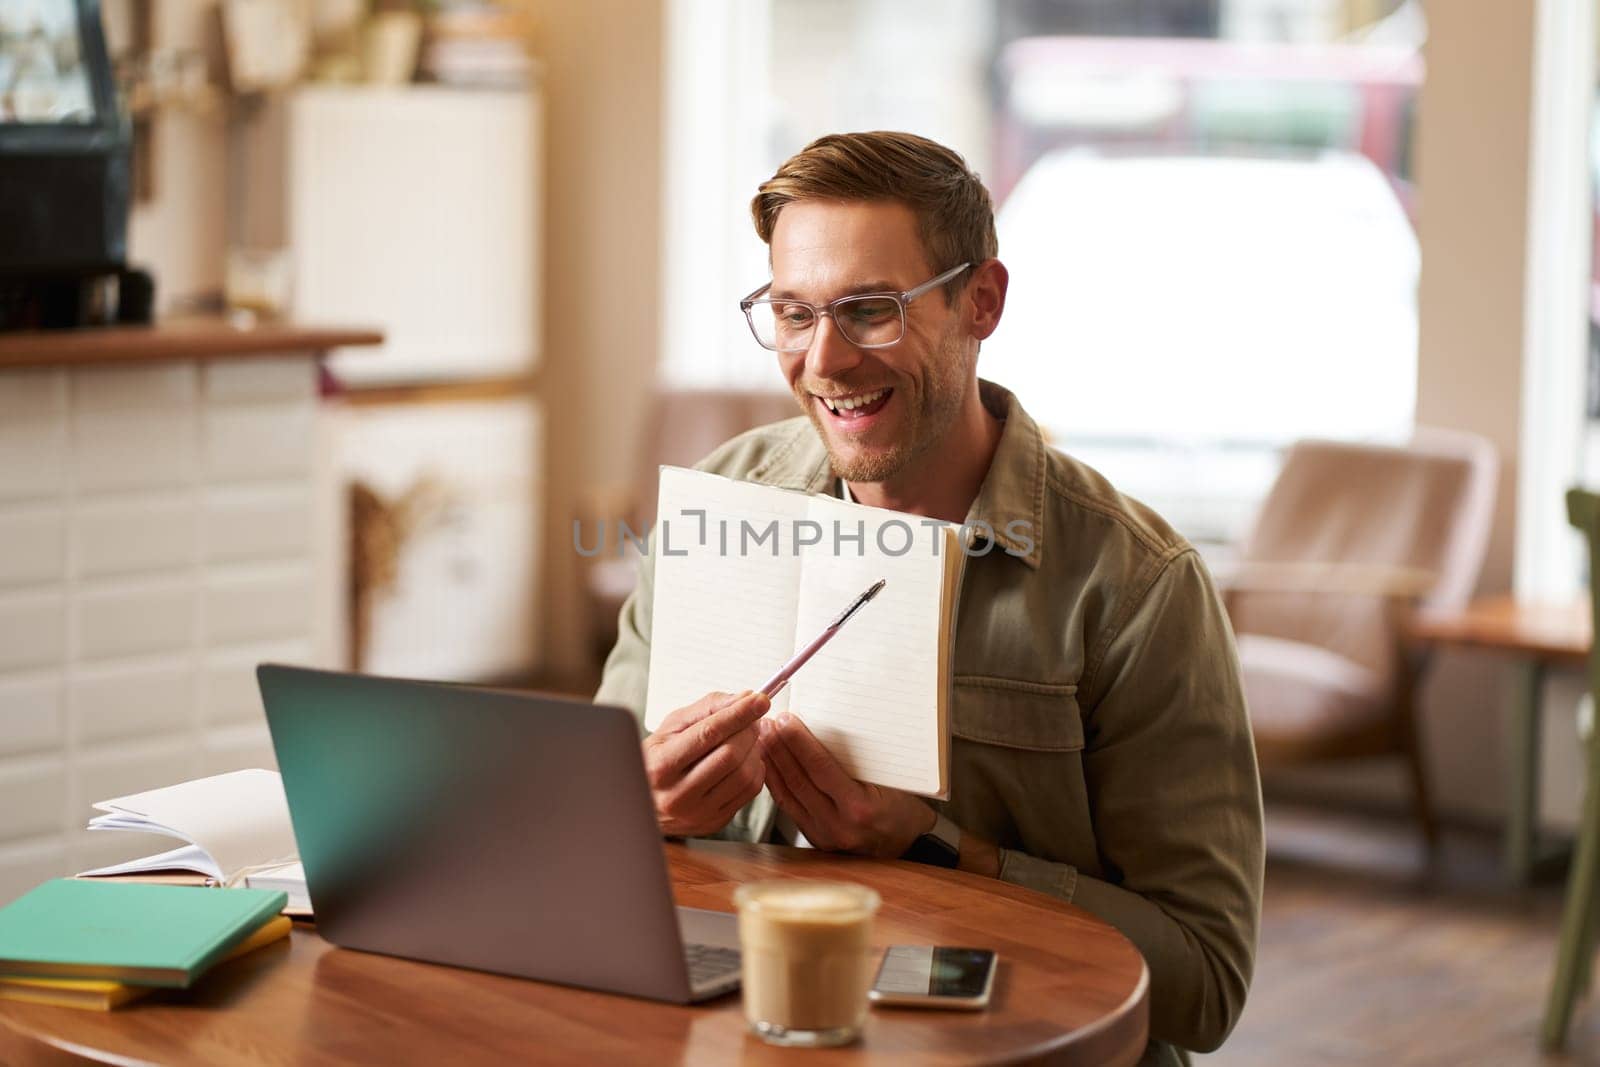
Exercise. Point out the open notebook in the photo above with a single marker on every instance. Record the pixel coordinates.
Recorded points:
(733, 606)
(235, 828)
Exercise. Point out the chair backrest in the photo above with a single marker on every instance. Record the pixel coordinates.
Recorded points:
(1427, 506)
(687, 424)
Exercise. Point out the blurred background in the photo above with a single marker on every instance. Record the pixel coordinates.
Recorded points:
(1231, 225)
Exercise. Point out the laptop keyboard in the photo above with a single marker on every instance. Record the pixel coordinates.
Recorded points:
(710, 965)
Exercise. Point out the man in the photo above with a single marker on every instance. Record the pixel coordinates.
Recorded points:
(1101, 751)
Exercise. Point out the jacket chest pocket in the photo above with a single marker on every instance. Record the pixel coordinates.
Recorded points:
(1032, 716)
(1016, 766)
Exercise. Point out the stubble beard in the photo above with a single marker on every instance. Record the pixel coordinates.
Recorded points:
(929, 419)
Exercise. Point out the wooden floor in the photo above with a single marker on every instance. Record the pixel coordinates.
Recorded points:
(1368, 958)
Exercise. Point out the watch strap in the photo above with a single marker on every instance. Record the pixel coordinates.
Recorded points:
(939, 847)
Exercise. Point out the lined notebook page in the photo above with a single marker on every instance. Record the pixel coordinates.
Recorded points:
(724, 613)
(871, 694)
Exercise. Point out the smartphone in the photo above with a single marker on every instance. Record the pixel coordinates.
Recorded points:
(934, 976)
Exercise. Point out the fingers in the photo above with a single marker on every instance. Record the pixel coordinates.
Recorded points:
(706, 774)
(689, 713)
(809, 823)
(677, 752)
(832, 809)
(793, 777)
(818, 763)
(738, 788)
(689, 811)
(700, 796)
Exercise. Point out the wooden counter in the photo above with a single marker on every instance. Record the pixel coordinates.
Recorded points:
(186, 339)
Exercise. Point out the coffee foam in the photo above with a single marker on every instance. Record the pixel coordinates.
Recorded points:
(812, 901)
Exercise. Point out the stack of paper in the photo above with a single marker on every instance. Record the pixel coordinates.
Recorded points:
(235, 827)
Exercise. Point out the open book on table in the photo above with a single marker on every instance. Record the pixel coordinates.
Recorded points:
(747, 574)
(235, 828)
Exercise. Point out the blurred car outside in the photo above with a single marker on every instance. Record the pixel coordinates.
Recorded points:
(1175, 320)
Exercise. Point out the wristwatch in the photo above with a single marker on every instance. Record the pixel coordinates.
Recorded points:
(939, 847)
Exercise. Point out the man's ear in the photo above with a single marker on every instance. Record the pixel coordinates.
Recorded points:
(986, 296)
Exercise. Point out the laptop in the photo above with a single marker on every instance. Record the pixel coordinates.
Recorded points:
(490, 829)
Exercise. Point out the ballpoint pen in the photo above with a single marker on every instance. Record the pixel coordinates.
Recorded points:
(776, 683)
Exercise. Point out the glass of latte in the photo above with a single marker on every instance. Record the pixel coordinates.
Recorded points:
(807, 959)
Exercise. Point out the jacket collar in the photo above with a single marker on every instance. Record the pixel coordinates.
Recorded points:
(1012, 492)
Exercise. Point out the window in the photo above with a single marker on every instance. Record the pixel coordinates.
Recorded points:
(1560, 436)
(1205, 206)
(751, 81)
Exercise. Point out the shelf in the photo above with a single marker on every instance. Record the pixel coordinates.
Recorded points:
(174, 339)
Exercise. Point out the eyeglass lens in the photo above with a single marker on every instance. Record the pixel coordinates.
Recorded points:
(864, 320)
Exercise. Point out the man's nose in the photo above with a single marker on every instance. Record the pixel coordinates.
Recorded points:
(830, 354)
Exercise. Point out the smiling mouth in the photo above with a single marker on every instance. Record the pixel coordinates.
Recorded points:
(856, 405)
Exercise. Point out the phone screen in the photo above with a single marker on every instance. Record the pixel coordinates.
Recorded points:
(927, 970)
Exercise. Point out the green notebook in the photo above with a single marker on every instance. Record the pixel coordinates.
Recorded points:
(160, 935)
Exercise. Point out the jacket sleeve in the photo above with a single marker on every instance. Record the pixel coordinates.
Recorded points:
(1176, 802)
(625, 680)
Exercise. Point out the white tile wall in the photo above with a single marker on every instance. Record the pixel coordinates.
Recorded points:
(27, 863)
(168, 385)
(258, 441)
(290, 379)
(156, 542)
(32, 712)
(257, 522)
(274, 602)
(153, 531)
(228, 692)
(33, 547)
(107, 701)
(31, 631)
(33, 795)
(33, 455)
(136, 449)
(32, 392)
(237, 746)
(156, 617)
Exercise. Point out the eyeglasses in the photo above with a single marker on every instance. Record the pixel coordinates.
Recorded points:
(867, 320)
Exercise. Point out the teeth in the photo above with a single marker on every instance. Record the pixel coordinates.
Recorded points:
(850, 403)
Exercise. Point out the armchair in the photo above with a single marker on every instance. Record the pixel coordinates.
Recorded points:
(1351, 539)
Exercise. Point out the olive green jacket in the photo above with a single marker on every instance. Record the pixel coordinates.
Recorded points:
(1099, 733)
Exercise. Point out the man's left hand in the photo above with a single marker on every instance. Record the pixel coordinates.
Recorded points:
(833, 810)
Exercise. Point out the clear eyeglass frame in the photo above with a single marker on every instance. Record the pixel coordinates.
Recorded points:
(755, 300)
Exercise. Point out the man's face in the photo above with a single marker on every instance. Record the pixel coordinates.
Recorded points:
(822, 250)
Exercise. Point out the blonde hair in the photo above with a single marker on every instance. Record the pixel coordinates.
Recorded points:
(955, 216)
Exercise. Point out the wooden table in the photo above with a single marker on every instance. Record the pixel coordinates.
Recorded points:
(1070, 990)
(1537, 637)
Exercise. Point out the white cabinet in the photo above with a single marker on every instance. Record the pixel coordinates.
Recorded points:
(416, 209)
(456, 495)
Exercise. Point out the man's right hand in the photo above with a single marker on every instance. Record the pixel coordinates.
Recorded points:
(704, 764)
